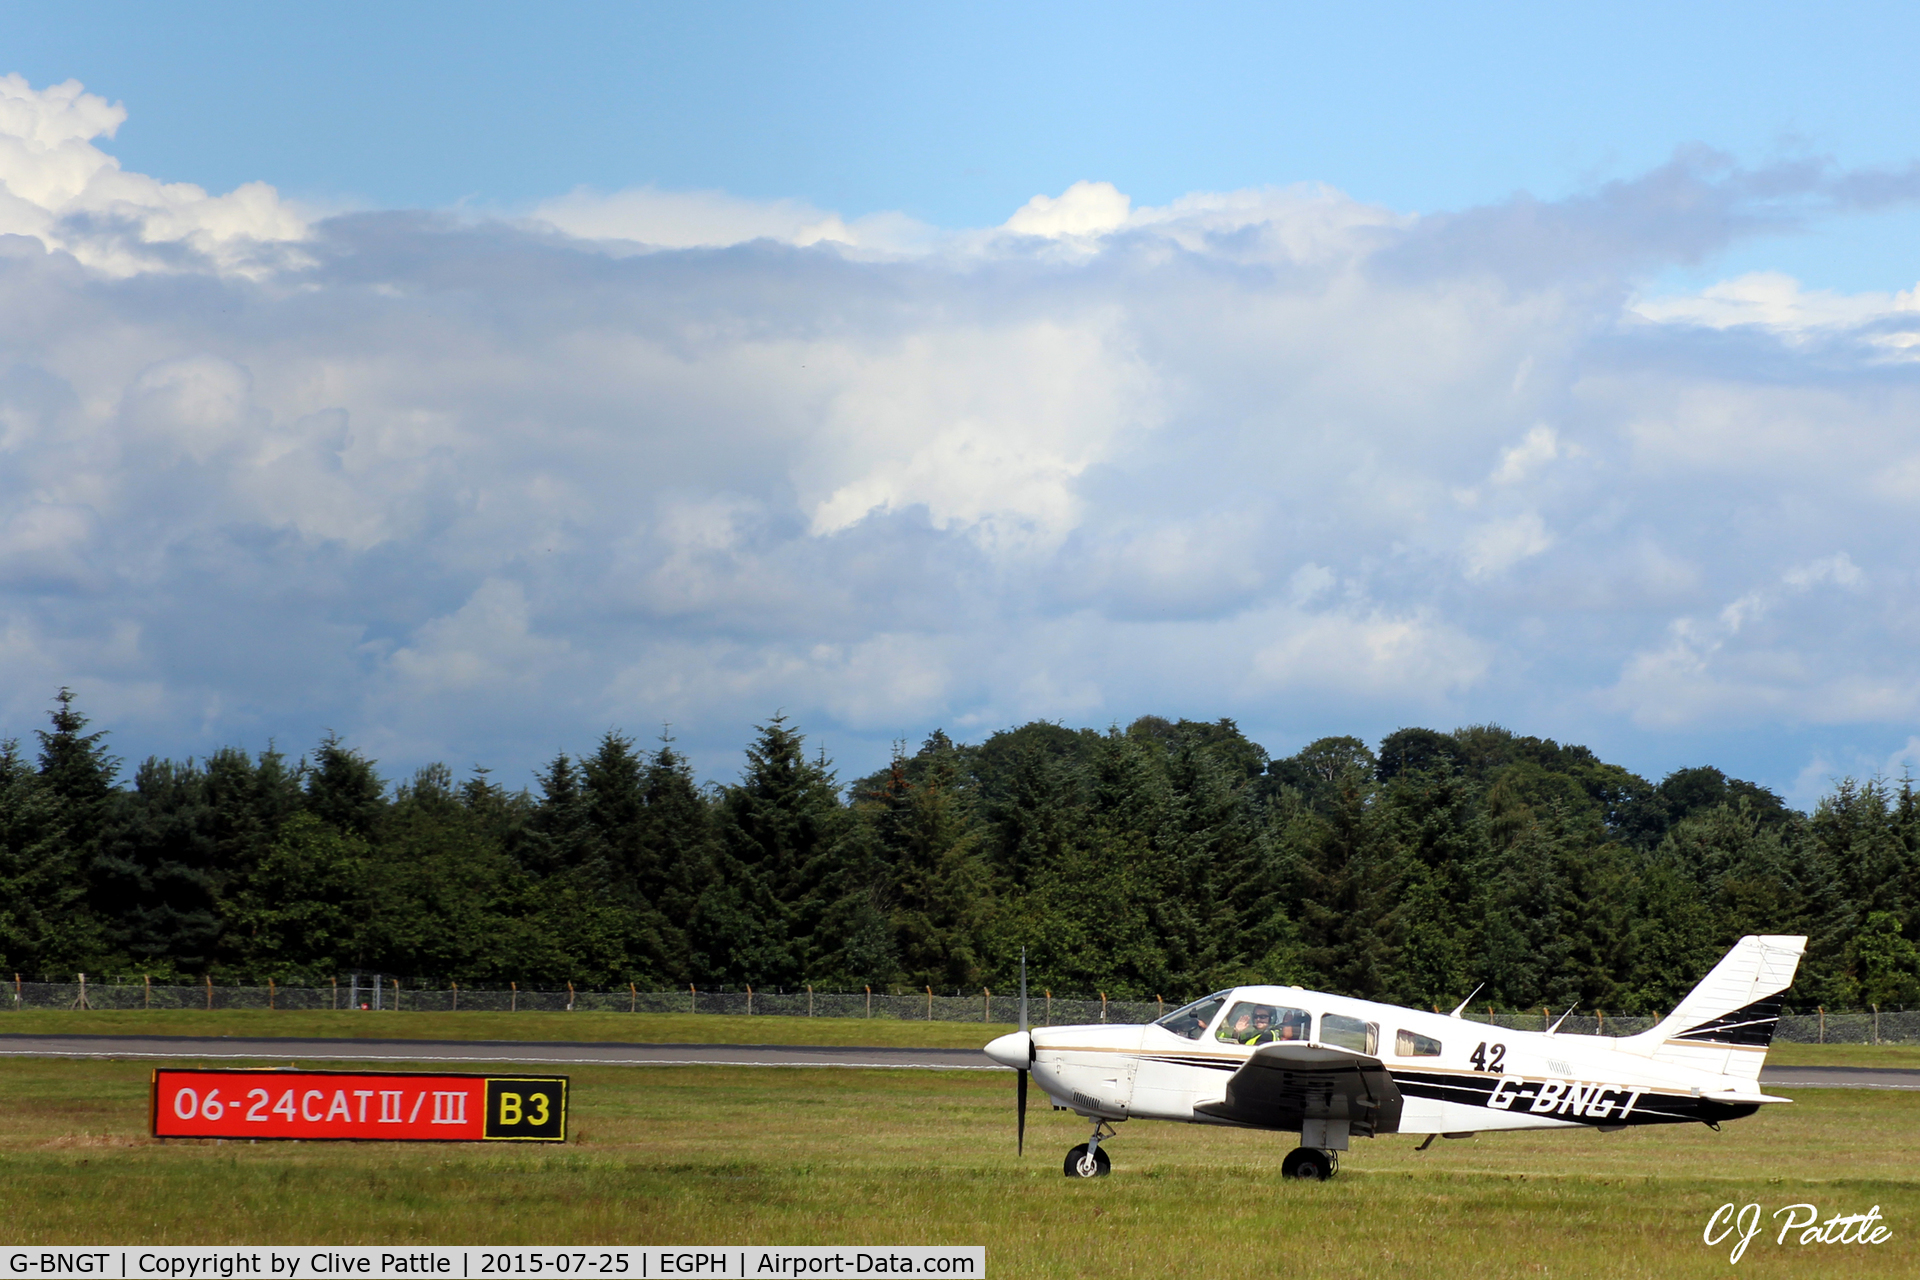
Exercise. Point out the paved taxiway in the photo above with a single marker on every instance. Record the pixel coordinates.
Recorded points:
(600, 1053)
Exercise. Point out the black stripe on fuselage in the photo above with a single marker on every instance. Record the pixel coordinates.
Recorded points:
(1210, 1064)
(1523, 1094)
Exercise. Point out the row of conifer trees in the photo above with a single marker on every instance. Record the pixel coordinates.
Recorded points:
(1163, 859)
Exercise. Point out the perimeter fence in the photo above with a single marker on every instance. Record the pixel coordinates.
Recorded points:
(382, 993)
(379, 993)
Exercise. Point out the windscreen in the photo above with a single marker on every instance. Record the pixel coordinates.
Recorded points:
(1192, 1021)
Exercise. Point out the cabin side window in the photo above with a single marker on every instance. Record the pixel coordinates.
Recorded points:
(1192, 1021)
(1250, 1023)
(1409, 1045)
(1350, 1033)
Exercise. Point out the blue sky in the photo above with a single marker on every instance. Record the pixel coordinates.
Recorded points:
(956, 114)
(612, 365)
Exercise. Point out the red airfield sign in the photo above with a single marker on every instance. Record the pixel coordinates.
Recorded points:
(376, 1106)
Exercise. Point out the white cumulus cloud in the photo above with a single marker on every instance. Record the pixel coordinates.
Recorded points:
(479, 488)
(1083, 209)
(61, 189)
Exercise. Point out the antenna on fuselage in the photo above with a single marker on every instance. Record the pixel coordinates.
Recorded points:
(1563, 1017)
(1461, 1007)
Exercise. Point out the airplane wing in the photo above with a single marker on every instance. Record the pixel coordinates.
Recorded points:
(1283, 1084)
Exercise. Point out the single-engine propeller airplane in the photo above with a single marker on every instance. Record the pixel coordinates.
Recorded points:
(1329, 1068)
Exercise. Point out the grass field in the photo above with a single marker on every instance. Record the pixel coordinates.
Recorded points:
(660, 1028)
(632, 1028)
(1844, 1055)
(735, 1155)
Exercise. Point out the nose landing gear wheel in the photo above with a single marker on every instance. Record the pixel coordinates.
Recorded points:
(1081, 1164)
(1307, 1162)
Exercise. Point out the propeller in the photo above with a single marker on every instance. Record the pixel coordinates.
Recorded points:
(1020, 1081)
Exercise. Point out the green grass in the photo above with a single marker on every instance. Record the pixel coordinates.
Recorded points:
(1844, 1055)
(660, 1028)
(632, 1028)
(735, 1155)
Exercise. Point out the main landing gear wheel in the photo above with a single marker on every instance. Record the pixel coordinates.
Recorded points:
(1082, 1163)
(1309, 1162)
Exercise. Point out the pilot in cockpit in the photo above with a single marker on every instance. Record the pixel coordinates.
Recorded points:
(1255, 1024)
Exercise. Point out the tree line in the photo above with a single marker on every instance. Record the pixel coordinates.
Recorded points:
(1166, 858)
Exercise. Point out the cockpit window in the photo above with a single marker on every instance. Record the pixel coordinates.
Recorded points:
(1192, 1020)
(1250, 1023)
(1350, 1033)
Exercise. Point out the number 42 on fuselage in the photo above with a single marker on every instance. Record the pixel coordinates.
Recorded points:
(1331, 1068)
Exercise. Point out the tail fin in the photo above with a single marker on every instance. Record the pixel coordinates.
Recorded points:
(1726, 1024)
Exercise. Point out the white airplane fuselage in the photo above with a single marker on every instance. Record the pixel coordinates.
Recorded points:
(1453, 1076)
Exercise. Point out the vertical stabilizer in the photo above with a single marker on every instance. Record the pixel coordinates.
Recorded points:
(1726, 1024)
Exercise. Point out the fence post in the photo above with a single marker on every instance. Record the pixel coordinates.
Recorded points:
(209, 993)
(929, 1004)
(81, 1002)
(1103, 1006)
(1874, 1007)
(1049, 1008)
(513, 1001)
(1823, 1023)
(333, 1003)
(270, 993)
(633, 998)
(749, 999)
(396, 995)
(1160, 1010)
(16, 993)
(986, 1004)
(569, 997)
(809, 999)
(456, 998)
(693, 999)
(147, 1003)
(869, 1002)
